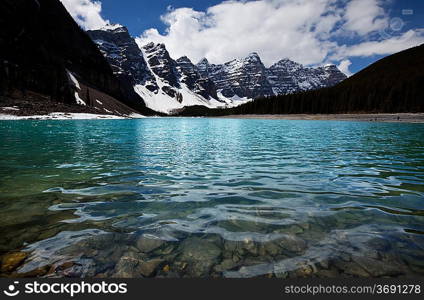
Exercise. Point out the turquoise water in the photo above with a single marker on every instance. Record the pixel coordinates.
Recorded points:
(182, 197)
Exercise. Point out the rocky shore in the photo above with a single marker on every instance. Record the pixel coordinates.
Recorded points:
(399, 118)
(37, 106)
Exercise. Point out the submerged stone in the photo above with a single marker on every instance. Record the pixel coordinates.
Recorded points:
(127, 266)
(39, 272)
(225, 265)
(200, 255)
(12, 260)
(166, 268)
(148, 244)
(272, 249)
(378, 268)
(199, 249)
(292, 244)
(332, 273)
(148, 268)
(351, 268)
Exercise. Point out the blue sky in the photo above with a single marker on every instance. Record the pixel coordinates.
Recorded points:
(349, 33)
(138, 16)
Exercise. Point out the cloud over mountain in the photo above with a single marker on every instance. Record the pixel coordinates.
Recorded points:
(86, 13)
(310, 32)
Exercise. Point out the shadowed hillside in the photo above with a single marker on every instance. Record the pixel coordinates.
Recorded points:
(391, 85)
(39, 44)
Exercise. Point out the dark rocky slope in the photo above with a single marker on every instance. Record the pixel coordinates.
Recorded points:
(123, 55)
(40, 44)
(392, 85)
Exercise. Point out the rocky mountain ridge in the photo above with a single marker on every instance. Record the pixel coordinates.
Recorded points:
(168, 85)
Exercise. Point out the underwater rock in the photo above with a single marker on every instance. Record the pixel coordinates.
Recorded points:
(303, 271)
(127, 266)
(84, 268)
(230, 247)
(415, 261)
(272, 249)
(292, 244)
(148, 244)
(148, 268)
(39, 272)
(57, 268)
(281, 275)
(200, 255)
(332, 273)
(379, 244)
(165, 250)
(226, 265)
(324, 263)
(12, 260)
(350, 268)
(292, 229)
(199, 249)
(166, 268)
(378, 268)
(250, 246)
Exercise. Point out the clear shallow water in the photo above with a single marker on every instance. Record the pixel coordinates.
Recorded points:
(211, 198)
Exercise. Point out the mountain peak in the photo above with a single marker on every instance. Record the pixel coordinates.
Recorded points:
(330, 66)
(253, 55)
(203, 61)
(155, 46)
(114, 27)
(287, 64)
(184, 59)
(285, 60)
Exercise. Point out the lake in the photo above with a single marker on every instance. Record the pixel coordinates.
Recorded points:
(195, 197)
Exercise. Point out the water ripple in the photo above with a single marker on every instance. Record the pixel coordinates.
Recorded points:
(286, 198)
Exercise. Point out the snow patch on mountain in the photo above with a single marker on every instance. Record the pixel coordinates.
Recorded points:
(172, 94)
(76, 84)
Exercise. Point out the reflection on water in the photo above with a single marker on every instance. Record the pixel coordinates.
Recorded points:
(211, 198)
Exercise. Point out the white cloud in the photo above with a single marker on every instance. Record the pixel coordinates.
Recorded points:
(309, 32)
(344, 67)
(364, 16)
(86, 13)
(275, 29)
(392, 45)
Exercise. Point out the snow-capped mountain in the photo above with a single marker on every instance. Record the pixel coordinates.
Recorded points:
(164, 84)
(242, 78)
(201, 85)
(249, 78)
(287, 77)
(124, 55)
(167, 85)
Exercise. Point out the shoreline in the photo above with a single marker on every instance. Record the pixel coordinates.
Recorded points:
(68, 116)
(415, 118)
(383, 118)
